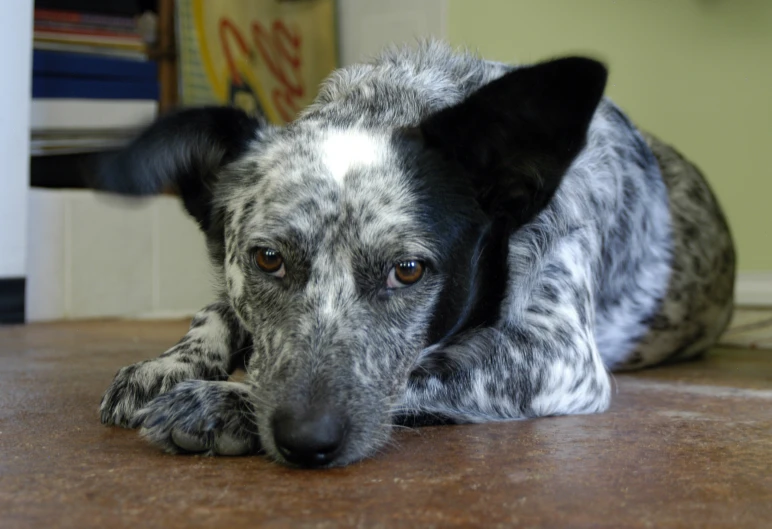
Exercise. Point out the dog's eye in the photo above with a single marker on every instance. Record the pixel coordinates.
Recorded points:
(405, 273)
(269, 261)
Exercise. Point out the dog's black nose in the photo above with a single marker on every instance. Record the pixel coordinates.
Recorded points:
(309, 438)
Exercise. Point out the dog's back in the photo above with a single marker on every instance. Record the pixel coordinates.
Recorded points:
(700, 297)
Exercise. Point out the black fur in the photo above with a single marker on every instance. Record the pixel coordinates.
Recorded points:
(518, 134)
(184, 151)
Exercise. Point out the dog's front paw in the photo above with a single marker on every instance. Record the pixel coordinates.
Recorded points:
(136, 385)
(215, 418)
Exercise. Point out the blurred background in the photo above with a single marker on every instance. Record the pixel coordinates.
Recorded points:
(81, 77)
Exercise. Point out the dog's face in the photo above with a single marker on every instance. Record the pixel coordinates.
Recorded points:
(339, 246)
(352, 253)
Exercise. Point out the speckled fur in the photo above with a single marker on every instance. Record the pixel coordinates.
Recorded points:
(629, 264)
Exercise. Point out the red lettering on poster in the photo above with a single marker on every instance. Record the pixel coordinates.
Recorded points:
(280, 51)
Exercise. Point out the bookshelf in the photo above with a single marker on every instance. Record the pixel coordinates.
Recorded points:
(166, 55)
(102, 71)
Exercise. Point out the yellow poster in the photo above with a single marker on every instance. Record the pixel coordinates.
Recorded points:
(265, 56)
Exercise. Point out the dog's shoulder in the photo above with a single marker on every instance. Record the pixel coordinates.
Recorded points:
(606, 231)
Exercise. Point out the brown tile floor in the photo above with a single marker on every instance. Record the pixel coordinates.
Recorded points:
(683, 446)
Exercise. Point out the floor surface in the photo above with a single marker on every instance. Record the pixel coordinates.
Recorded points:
(750, 328)
(682, 446)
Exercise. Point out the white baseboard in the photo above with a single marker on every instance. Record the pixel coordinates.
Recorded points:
(753, 289)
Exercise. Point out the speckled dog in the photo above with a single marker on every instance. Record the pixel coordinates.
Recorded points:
(438, 238)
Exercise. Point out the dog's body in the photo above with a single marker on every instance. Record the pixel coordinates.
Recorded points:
(551, 242)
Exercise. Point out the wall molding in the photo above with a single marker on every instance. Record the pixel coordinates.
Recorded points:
(753, 289)
(12, 300)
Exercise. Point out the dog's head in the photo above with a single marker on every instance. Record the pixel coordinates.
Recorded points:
(353, 251)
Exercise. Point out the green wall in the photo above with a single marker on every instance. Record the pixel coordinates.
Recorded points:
(697, 73)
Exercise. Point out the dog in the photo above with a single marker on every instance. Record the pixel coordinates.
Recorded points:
(436, 239)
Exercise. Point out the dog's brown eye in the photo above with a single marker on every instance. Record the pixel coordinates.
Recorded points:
(405, 273)
(269, 261)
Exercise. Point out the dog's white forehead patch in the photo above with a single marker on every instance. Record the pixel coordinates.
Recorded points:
(344, 150)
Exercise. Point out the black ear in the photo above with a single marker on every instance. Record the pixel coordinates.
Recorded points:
(517, 135)
(183, 150)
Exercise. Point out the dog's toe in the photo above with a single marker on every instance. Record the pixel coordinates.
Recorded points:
(212, 442)
(134, 387)
(223, 444)
(188, 442)
(229, 445)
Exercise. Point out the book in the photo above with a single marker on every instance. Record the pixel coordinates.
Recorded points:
(87, 49)
(96, 31)
(88, 19)
(135, 44)
(49, 86)
(90, 115)
(55, 63)
(74, 145)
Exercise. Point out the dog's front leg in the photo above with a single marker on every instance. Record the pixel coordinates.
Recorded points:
(500, 375)
(544, 363)
(201, 416)
(210, 350)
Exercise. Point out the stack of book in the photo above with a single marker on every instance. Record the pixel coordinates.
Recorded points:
(83, 103)
(72, 31)
(93, 87)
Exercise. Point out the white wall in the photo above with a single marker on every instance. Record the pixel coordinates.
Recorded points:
(93, 255)
(15, 62)
(366, 26)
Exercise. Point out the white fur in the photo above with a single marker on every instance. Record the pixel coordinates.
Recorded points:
(345, 150)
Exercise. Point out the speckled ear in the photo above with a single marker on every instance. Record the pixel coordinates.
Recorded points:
(183, 150)
(517, 135)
